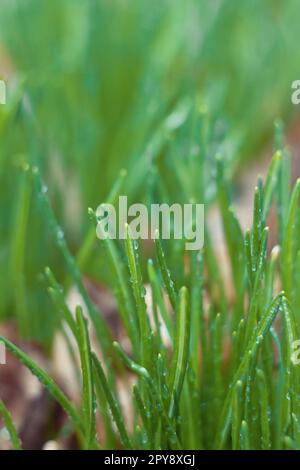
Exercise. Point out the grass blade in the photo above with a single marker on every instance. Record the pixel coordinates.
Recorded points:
(88, 395)
(47, 381)
(181, 349)
(112, 402)
(16, 443)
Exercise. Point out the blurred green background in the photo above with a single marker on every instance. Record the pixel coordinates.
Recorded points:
(95, 86)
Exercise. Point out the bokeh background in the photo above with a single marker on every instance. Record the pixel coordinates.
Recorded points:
(95, 86)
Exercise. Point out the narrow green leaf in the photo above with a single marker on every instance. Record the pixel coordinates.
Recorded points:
(264, 412)
(287, 254)
(166, 276)
(47, 381)
(139, 295)
(258, 335)
(181, 349)
(271, 183)
(244, 436)
(112, 402)
(236, 415)
(88, 395)
(16, 443)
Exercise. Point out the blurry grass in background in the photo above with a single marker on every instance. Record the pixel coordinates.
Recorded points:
(96, 86)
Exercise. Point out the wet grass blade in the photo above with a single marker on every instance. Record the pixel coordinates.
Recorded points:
(102, 331)
(287, 253)
(47, 381)
(181, 349)
(258, 335)
(244, 436)
(112, 402)
(166, 276)
(84, 252)
(271, 184)
(158, 297)
(144, 374)
(88, 394)
(139, 292)
(59, 300)
(123, 292)
(264, 412)
(237, 407)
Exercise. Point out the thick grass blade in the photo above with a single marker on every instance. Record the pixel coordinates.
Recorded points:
(18, 250)
(283, 193)
(244, 436)
(237, 407)
(197, 311)
(139, 295)
(181, 350)
(88, 394)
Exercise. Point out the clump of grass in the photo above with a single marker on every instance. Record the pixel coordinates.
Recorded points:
(226, 379)
(161, 62)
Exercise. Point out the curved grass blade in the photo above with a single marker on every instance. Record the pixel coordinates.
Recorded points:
(47, 381)
(58, 298)
(16, 443)
(102, 330)
(87, 245)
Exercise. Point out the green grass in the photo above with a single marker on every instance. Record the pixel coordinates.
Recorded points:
(166, 104)
(103, 95)
(228, 358)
